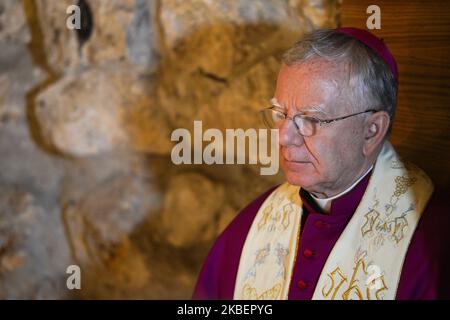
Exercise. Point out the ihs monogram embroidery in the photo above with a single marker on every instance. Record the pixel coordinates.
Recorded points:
(352, 288)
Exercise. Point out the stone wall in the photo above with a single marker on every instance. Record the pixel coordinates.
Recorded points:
(86, 176)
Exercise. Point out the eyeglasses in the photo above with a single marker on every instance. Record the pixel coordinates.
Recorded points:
(306, 125)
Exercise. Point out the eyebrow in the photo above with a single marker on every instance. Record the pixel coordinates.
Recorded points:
(311, 109)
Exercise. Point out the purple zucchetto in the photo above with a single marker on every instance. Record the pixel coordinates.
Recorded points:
(376, 44)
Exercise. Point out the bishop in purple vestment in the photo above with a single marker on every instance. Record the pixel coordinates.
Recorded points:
(334, 106)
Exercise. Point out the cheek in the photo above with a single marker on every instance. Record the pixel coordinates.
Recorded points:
(320, 153)
(328, 156)
(345, 155)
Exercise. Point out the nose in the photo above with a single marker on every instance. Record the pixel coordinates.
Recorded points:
(289, 135)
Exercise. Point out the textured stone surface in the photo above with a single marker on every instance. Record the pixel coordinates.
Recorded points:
(121, 30)
(102, 218)
(100, 221)
(211, 44)
(85, 122)
(101, 109)
(226, 216)
(18, 75)
(24, 164)
(13, 24)
(60, 43)
(33, 250)
(142, 36)
(321, 13)
(238, 105)
(191, 207)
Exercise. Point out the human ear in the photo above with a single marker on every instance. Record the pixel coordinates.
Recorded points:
(375, 130)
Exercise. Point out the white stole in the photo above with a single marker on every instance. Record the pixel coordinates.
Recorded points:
(367, 259)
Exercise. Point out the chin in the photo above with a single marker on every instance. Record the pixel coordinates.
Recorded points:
(297, 180)
(300, 174)
(302, 179)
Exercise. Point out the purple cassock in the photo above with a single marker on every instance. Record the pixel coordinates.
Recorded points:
(422, 274)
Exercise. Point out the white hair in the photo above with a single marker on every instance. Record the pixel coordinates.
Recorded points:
(371, 82)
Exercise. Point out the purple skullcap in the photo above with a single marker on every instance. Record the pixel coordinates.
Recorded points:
(376, 44)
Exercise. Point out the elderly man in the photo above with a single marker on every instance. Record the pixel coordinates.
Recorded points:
(348, 222)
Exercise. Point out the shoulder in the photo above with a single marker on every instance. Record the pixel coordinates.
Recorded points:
(218, 273)
(428, 255)
(243, 220)
(433, 227)
(234, 235)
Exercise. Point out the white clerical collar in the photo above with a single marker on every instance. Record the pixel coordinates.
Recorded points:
(325, 203)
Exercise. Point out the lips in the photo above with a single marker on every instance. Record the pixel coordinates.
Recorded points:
(288, 159)
(295, 165)
(295, 161)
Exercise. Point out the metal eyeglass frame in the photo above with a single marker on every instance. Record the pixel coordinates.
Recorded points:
(314, 119)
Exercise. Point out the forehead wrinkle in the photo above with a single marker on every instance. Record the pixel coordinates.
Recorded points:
(313, 109)
(306, 109)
